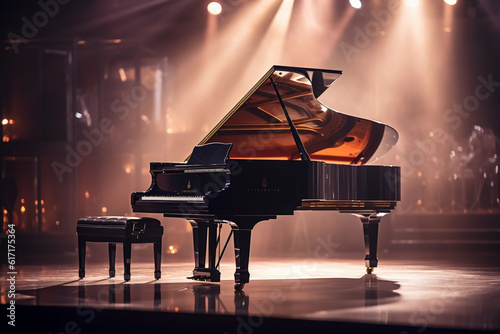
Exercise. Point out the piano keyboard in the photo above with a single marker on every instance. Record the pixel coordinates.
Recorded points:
(197, 199)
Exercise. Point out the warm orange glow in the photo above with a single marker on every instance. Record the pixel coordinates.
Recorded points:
(419, 202)
(22, 200)
(214, 8)
(128, 169)
(87, 194)
(450, 2)
(57, 222)
(5, 211)
(23, 209)
(5, 121)
(172, 250)
(6, 139)
(123, 76)
(104, 209)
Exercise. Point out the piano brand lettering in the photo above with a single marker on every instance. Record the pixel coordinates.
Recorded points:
(264, 183)
(30, 29)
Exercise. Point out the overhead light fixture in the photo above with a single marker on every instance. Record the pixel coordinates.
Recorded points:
(214, 8)
(450, 2)
(355, 3)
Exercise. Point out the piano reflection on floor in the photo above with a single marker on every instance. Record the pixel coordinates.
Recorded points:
(277, 151)
(268, 298)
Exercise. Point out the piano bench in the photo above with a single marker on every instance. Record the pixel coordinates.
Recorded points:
(115, 229)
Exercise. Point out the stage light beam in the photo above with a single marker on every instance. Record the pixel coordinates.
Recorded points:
(412, 3)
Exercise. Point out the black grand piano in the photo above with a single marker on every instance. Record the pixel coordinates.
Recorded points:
(278, 150)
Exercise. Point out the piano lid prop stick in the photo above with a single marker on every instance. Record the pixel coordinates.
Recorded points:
(302, 150)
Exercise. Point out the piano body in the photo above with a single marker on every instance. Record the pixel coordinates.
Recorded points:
(277, 151)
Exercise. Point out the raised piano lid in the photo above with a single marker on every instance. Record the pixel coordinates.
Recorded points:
(258, 128)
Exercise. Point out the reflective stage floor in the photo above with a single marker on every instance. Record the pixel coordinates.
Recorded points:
(284, 295)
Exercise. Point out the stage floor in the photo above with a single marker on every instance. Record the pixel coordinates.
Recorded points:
(401, 295)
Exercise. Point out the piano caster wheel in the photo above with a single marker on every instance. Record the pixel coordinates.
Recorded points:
(239, 286)
(369, 270)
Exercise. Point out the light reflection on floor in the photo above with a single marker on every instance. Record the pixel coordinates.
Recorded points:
(421, 294)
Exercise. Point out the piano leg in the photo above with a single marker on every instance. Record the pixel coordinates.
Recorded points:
(242, 255)
(157, 258)
(370, 231)
(242, 230)
(212, 244)
(201, 271)
(199, 243)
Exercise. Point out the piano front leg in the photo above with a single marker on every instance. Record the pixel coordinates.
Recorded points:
(370, 231)
(199, 243)
(202, 229)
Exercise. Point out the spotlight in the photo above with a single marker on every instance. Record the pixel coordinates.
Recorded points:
(355, 3)
(450, 2)
(214, 8)
(412, 3)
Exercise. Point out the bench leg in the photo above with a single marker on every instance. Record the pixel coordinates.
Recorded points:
(127, 254)
(112, 256)
(82, 245)
(157, 258)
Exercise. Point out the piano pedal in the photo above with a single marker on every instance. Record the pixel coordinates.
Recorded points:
(239, 286)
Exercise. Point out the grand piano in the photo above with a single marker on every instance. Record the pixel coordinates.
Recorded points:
(277, 151)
